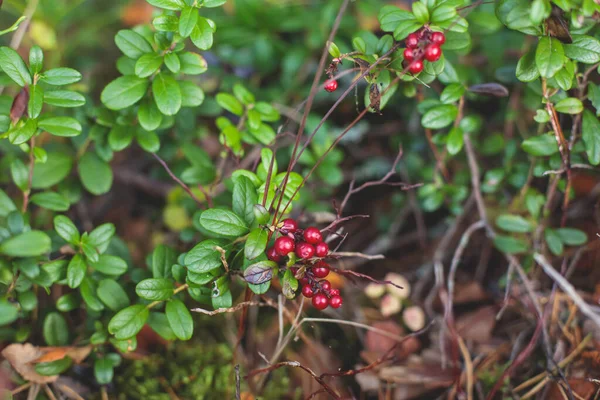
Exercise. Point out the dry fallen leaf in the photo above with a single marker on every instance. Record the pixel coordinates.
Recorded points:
(23, 357)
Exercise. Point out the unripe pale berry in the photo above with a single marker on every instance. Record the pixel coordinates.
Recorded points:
(336, 301)
(416, 67)
(313, 235)
(438, 37)
(305, 250)
(331, 85)
(321, 249)
(433, 52)
(320, 301)
(412, 41)
(284, 245)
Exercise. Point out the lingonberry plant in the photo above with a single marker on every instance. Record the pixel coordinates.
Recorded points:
(498, 109)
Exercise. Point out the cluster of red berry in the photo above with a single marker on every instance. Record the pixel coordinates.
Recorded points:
(423, 44)
(310, 249)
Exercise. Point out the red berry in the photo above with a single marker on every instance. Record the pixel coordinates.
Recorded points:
(305, 250)
(412, 41)
(409, 54)
(331, 85)
(273, 255)
(289, 226)
(313, 235)
(334, 292)
(320, 301)
(321, 249)
(416, 67)
(303, 280)
(438, 37)
(325, 285)
(284, 245)
(320, 271)
(336, 301)
(307, 291)
(433, 52)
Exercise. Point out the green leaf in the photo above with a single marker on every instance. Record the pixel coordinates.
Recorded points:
(13, 65)
(166, 23)
(120, 137)
(51, 201)
(61, 126)
(213, 3)
(110, 265)
(56, 331)
(132, 44)
(259, 272)
(244, 198)
(172, 62)
(55, 367)
(76, 271)
(6, 204)
(202, 34)
(61, 76)
(290, 284)
(66, 229)
(594, 96)
(103, 371)
(390, 16)
(223, 223)
(101, 237)
(267, 111)
(256, 243)
(160, 324)
(128, 322)
(36, 101)
(527, 70)
(27, 244)
(148, 64)
(569, 105)
(544, 145)
(149, 116)
(20, 174)
(513, 223)
(452, 93)
(96, 175)
(36, 59)
(54, 170)
(167, 94)
(405, 28)
(68, 302)
(163, 258)
(188, 20)
(222, 301)
(263, 133)
(591, 137)
(8, 312)
(24, 133)
(88, 294)
(112, 294)
(553, 241)
(549, 56)
(515, 15)
(64, 98)
(439, 117)
(230, 103)
(174, 5)
(191, 94)
(148, 141)
(124, 92)
(180, 319)
(203, 257)
(510, 245)
(155, 289)
(243, 94)
(192, 63)
(420, 12)
(572, 236)
(455, 140)
(585, 49)
(564, 77)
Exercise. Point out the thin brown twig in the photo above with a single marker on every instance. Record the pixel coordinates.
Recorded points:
(358, 254)
(235, 308)
(183, 185)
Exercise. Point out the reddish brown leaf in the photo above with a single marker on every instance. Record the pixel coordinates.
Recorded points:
(19, 105)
